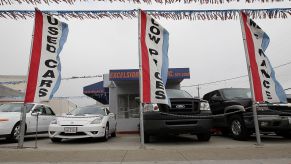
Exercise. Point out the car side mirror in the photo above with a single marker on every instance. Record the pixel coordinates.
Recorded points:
(217, 98)
(36, 113)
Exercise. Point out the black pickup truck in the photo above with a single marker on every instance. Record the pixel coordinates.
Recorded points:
(186, 115)
(232, 114)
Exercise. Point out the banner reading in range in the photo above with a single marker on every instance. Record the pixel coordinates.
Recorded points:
(154, 43)
(266, 87)
(44, 75)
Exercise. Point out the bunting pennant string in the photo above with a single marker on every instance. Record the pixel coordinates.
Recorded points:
(67, 78)
(149, 2)
(275, 13)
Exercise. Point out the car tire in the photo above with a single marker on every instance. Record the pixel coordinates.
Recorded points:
(106, 133)
(237, 128)
(15, 133)
(114, 133)
(146, 138)
(285, 134)
(204, 136)
(56, 140)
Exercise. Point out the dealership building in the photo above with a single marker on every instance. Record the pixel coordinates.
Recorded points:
(119, 89)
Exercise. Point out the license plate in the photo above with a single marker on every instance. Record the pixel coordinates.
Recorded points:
(70, 129)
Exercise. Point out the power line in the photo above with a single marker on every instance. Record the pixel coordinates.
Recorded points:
(194, 85)
(233, 78)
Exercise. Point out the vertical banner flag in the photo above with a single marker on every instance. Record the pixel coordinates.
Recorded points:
(44, 75)
(154, 42)
(266, 87)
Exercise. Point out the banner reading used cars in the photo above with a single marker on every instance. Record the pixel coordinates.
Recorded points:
(154, 43)
(266, 87)
(44, 75)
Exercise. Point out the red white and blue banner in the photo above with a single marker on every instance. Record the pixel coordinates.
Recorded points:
(44, 75)
(154, 43)
(266, 88)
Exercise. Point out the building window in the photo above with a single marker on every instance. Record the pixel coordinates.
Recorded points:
(127, 106)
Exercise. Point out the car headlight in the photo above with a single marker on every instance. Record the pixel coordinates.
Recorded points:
(54, 122)
(204, 106)
(151, 107)
(97, 121)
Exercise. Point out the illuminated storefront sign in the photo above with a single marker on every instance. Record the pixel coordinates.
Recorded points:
(133, 74)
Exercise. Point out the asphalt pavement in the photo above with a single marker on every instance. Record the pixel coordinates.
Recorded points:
(165, 149)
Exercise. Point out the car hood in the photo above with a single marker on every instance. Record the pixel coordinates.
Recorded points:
(246, 102)
(71, 120)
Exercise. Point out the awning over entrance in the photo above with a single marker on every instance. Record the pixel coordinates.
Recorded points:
(98, 92)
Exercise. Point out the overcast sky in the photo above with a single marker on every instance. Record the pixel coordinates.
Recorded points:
(213, 50)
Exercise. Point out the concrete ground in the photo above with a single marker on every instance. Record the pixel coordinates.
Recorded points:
(171, 149)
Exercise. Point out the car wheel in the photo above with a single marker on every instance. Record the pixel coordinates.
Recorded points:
(204, 136)
(56, 140)
(238, 129)
(285, 134)
(15, 133)
(146, 138)
(106, 133)
(114, 133)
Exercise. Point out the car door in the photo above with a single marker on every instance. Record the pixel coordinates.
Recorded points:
(49, 116)
(41, 117)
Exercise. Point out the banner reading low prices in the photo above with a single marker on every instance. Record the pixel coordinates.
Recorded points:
(266, 87)
(44, 75)
(154, 43)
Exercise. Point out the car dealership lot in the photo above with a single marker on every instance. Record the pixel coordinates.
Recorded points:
(126, 148)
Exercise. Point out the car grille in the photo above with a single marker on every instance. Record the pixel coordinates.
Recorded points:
(184, 106)
(73, 134)
(72, 125)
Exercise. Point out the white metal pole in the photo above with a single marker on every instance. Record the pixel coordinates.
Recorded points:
(141, 127)
(22, 126)
(36, 131)
(23, 113)
(254, 106)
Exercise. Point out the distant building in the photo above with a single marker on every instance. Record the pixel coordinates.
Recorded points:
(12, 89)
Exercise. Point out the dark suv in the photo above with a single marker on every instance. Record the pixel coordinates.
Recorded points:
(232, 113)
(186, 115)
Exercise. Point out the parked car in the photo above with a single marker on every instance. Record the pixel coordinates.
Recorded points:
(10, 119)
(232, 111)
(186, 115)
(85, 122)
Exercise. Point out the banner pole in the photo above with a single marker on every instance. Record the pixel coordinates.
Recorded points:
(23, 112)
(254, 105)
(22, 126)
(141, 127)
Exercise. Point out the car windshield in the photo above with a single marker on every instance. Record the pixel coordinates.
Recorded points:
(14, 107)
(236, 93)
(175, 93)
(92, 110)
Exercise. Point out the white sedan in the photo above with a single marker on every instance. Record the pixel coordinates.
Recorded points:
(10, 119)
(85, 122)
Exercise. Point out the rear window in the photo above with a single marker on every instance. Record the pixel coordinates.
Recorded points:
(236, 93)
